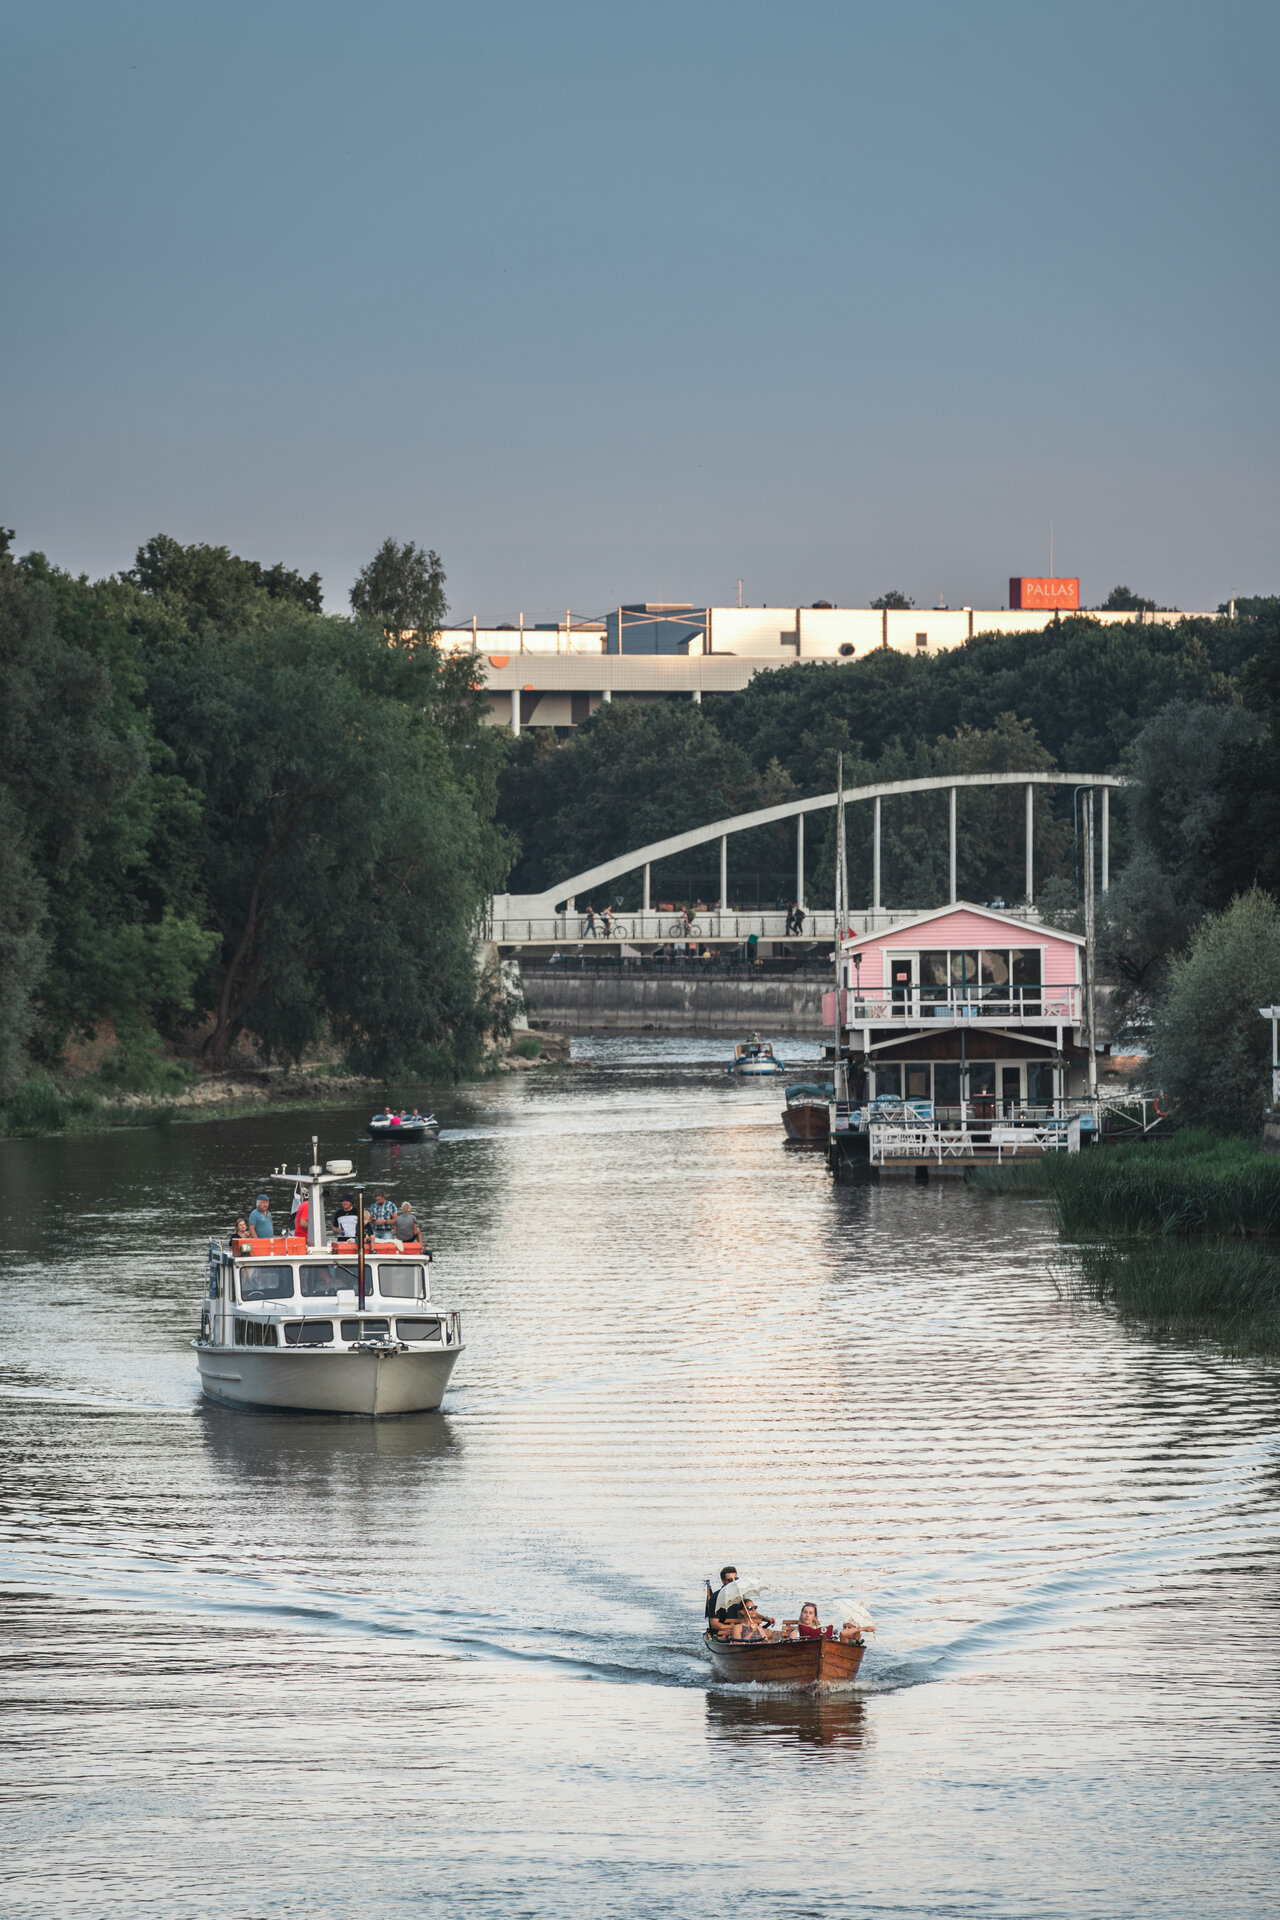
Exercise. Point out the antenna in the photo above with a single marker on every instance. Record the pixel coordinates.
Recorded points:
(739, 594)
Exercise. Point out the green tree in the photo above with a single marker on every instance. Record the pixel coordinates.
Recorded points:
(402, 589)
(216, 583)
(1124, 600)
(1211, 1050)
(893, 599)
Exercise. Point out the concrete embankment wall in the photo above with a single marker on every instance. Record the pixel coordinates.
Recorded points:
(623, 1002)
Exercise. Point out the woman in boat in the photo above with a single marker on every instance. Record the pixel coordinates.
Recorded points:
(806, 1627)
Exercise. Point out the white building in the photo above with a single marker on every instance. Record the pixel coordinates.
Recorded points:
(554, 676)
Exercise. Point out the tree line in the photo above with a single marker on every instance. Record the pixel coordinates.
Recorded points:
(225, 816)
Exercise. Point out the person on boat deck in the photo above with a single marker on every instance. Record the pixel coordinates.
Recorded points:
(260, 1227)
(406, 1227)
(752, 1625)
(242, 1230)
(345, 1221)
(806, 1627)
(715, 1611)
(301, 1218)
(381, 1215)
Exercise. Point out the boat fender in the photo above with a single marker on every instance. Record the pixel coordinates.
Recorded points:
(1160, 1107)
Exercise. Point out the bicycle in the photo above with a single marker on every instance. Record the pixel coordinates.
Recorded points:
(602, 930)
(678, 931)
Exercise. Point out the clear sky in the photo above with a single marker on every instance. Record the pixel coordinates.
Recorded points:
(614, 303)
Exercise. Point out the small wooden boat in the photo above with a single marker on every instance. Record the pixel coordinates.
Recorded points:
(807, 1114)
(403, 1126)
(785, 1663)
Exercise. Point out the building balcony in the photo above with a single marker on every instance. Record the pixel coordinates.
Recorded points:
(991, 1006)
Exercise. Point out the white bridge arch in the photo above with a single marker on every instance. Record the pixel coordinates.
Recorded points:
(552, 914)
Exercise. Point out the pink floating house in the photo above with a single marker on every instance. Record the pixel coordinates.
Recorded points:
(967, 1008)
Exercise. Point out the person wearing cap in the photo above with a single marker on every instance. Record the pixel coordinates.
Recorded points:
(260, 1227)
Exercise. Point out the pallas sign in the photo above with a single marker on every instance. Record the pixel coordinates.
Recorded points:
(1024, 592)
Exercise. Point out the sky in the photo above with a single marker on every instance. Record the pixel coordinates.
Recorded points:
(613, 304)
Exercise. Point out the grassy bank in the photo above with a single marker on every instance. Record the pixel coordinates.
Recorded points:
(1184, 1234)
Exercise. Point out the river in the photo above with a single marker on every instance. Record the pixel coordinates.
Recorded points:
(259, 1666)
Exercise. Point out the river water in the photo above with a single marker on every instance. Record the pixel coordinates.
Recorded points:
(259, 1666)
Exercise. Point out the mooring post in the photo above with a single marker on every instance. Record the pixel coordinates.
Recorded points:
(952, 795)
(1031, 821)
(875, 858)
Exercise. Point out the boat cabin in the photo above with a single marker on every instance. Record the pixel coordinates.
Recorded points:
(264, 1296)
(965, 1012)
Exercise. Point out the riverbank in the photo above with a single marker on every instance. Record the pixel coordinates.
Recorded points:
(43, 1106)
(1184, 1235)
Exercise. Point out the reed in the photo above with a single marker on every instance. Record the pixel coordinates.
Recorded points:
(1227, 1289)
(1195, 1184)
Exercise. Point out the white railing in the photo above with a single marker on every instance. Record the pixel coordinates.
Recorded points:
(994, 1141)
(917, 1004)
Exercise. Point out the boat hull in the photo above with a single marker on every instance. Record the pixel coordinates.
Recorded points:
(785, 1663)
(811, 1124)
(315, 1380)
(403, 1132)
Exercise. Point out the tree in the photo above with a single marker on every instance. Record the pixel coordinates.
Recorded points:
(402, 589)
(1124, 600)
(1211, 1049)
(343, 865)
(893, 599)
(217, 583)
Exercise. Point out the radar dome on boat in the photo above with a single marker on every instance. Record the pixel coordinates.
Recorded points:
(337, 1166)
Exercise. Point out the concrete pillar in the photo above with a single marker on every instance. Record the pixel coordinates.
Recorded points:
(799, 859)
(697, 696)
(1106, 838)
(724, 873)
(875, 858)
(607, 695)
(1031, 827)
(952, 840)
(645, 903)
(515, 709)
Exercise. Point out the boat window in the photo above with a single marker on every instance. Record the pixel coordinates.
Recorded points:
(418, 1329)
(318, 1280)
(266, 1283)
(308, 1333)
(254, 1333)
(400, 1279)
(364, 1329)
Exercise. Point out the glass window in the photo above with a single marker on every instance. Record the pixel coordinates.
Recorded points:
(266, 1283)
(364, 1329)
(993, 967)
(946, 1084)
(888, 1079)
(1026, 966)
(308, 1333)
(917, 1078)
(964, 969)
(400, 1279)
(935, 969)
(982, 1080)
(317, 1280)
(1040, 1082)
(418, 1329)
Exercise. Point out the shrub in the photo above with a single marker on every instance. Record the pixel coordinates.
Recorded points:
(528, 1048)
(37, 1107)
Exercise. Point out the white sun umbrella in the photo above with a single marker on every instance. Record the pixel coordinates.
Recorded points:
(735, 1593)
(846, 1612)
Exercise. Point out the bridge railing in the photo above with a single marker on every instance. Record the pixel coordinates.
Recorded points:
(708, 926)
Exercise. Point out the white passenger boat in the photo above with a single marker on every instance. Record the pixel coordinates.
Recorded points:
(316, 1325)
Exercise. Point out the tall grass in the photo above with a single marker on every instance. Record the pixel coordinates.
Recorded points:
(1225, 1288)
(1196, 1183)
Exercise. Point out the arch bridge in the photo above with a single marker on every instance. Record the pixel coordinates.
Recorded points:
(552, 917)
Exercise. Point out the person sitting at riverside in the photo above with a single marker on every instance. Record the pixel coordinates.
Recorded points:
(260, 1227)
(406, 1226)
